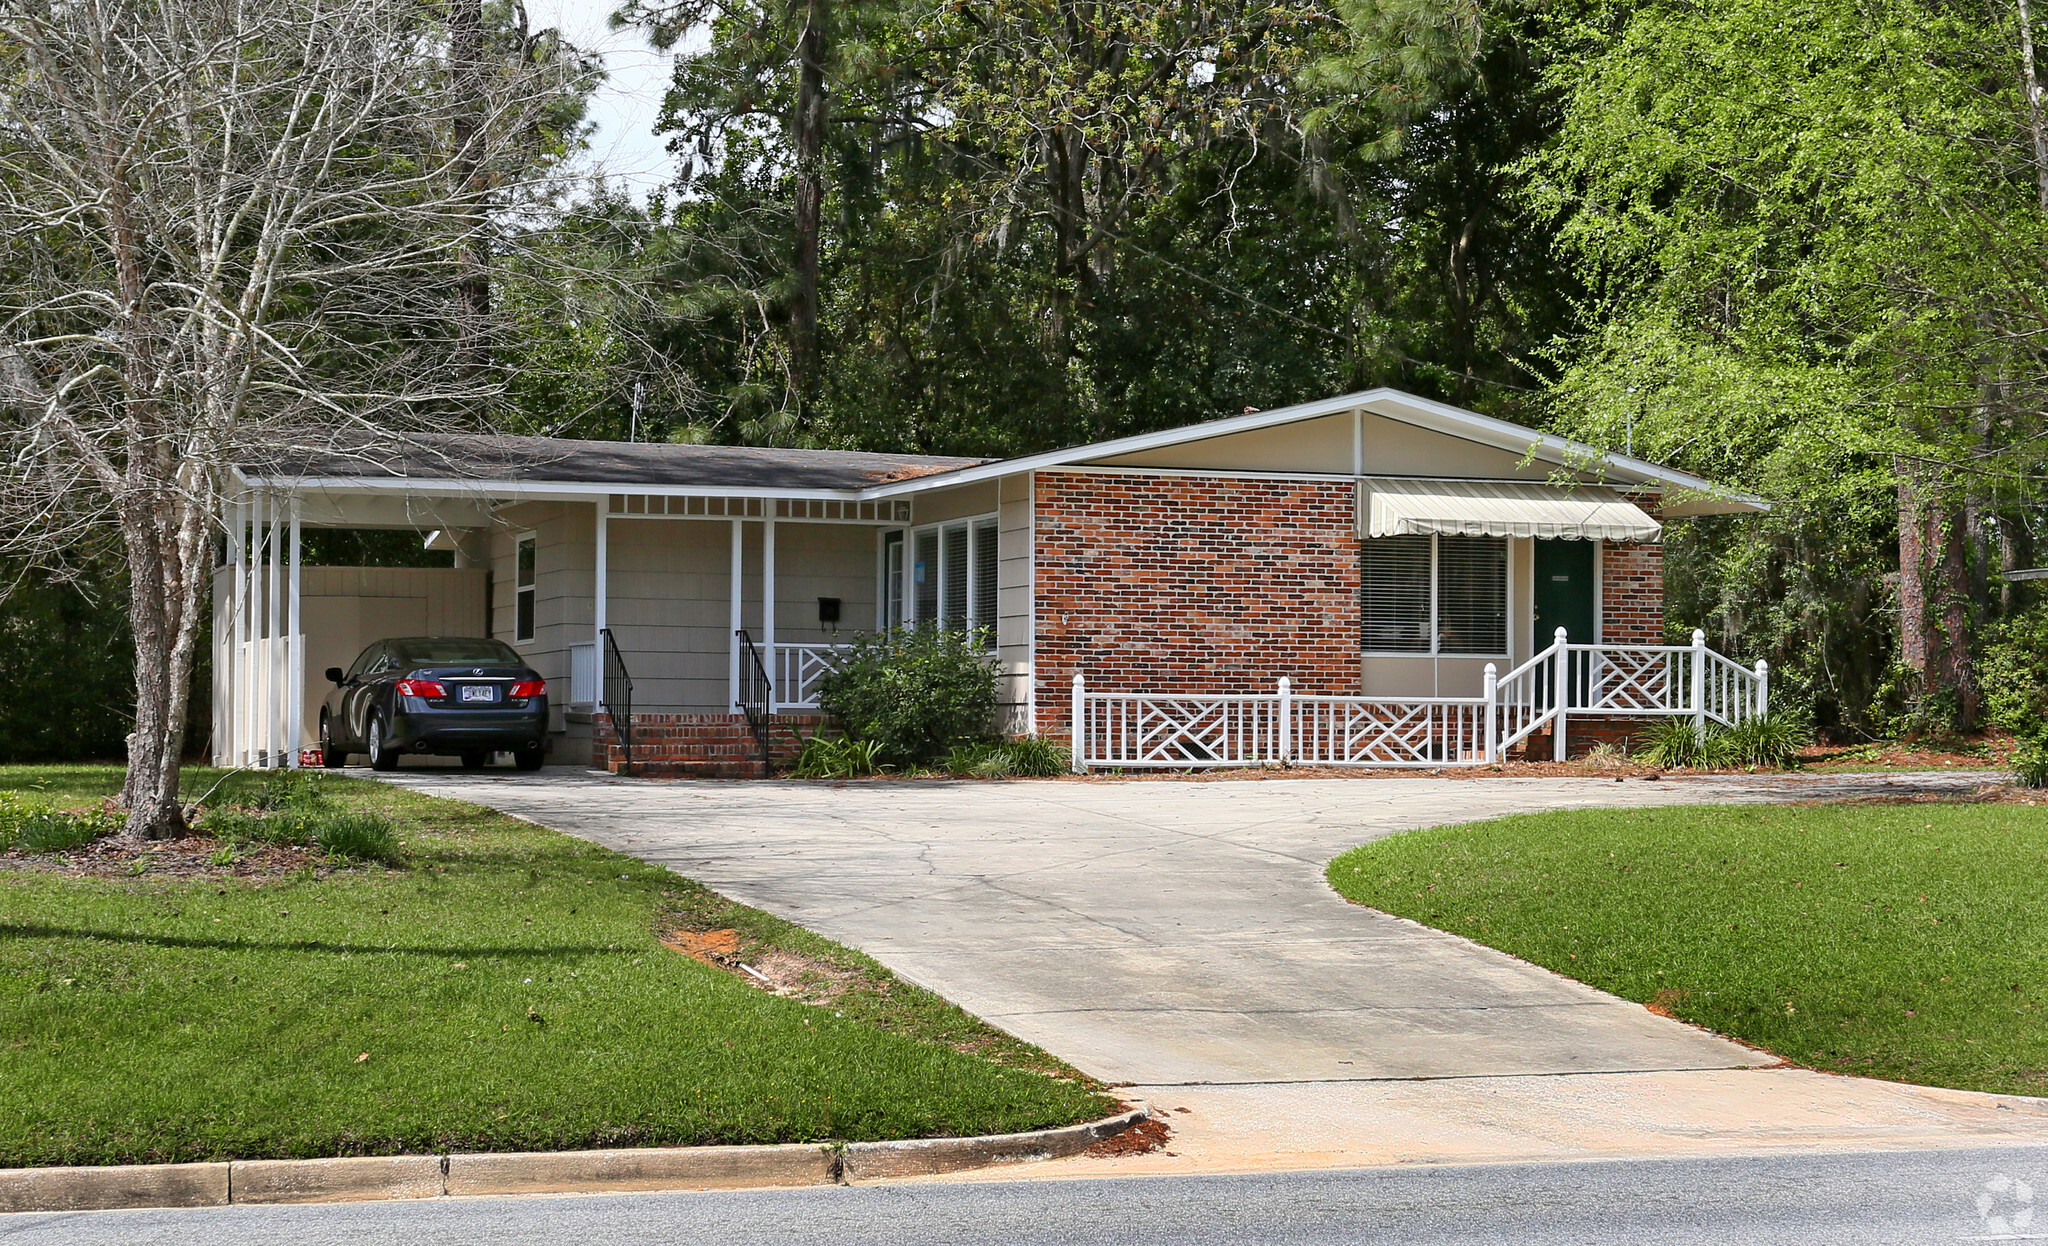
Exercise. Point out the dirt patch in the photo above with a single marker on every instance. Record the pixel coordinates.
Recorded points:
(713, 947)
(779, 971)
(195, 856)
(1143, 1138)
(1664, 1001)
(1983, 794)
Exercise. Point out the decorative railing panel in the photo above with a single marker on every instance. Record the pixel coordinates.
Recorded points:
(799, 669)
(1135, 730)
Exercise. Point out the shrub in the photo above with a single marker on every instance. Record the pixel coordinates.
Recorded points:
(1673, 742)
(2030, 762)
(357, 836)
(292, 790)
(840, 757)
(2014, 673)
(1773, 739)
(1038, 757)
(914, 692)
(231, 825)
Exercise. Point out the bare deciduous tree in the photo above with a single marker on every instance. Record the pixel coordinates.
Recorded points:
(234, 231)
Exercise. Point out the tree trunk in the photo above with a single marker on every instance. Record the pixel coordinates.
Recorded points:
(809, 139)
(1934, 596)
(166, 542)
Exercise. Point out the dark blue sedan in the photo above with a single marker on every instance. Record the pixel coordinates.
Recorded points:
(448, 695)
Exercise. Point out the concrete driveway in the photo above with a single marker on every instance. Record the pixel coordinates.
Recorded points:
(1158, 933)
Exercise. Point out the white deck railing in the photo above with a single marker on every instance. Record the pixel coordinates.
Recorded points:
(798, 670)
(1140, 730)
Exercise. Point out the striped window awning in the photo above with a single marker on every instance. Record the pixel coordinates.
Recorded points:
(1405, 506)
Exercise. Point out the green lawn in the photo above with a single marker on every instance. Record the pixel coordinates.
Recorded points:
(1907, 942)
(501, 989)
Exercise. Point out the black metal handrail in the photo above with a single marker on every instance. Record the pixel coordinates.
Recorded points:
(618, 698)
(757, 692)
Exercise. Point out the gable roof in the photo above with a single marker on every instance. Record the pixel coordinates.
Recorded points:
(589, 467)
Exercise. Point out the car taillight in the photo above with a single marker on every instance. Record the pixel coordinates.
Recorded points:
(420, 688)
(528, 688)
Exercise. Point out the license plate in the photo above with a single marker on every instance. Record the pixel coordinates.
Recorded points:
(479, 692)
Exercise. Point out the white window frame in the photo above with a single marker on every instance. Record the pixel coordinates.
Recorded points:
(525, 538)
(967, 526)
(1435, 604)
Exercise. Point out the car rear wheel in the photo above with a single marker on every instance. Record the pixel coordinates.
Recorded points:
(475, 759)
(382, 755)
(330, 756)
(531, 757)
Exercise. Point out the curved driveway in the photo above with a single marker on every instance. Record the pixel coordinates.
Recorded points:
(1154, 932)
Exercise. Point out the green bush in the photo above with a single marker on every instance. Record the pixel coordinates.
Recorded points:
(2030, 762)
(1771, 740)
(1027, 756)
(2014, 673)
(1673, 742)
(357, 836)
(1038, 757)
(836, 757)
(914, 692)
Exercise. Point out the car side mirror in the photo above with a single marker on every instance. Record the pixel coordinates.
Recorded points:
(335, 675)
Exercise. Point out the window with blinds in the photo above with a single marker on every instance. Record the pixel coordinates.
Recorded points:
(1395, 598)
(951, 577)
(1434, 595)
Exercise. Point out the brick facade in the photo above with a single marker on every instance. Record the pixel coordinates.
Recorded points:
(707, 746)
(1193, 584)
(1632, 593)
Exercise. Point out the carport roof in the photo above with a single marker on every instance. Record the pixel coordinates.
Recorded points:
(495, 457)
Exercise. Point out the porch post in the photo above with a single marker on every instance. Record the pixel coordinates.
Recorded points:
(229, 730)
(1699, 683)
(732, 634)
(1077, 727)
(1489, 687)
(295, 650)
(601, 590)
(1283, 729)
(273, 626)
(1763, 687)
(1560, 692)
(768, 604)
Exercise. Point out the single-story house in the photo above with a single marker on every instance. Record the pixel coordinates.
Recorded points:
(1396, 559)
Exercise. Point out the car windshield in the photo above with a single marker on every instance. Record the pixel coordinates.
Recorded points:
(454, 649)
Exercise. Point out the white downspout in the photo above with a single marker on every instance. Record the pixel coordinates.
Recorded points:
(768, 605)
(273, 623)
(295, 665)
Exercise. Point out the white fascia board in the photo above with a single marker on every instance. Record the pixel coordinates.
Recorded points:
(1389, 403)
(542, 491)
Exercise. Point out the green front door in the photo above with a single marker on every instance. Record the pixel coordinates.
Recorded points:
(1564, 591)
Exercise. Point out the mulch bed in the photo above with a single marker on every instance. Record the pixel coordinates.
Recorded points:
(1143, 1138)
(111, 856)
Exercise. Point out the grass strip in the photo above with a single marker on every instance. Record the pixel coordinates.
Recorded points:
(502, 988)
(1906, 942)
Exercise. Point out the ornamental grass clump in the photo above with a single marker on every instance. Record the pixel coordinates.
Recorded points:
(1773, 739)
(914, 692)
(2030, 762)
(836, 757)
(1676, 743)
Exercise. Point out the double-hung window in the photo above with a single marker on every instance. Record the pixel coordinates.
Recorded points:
(1435, 595)
(525, 587)
(942, 573)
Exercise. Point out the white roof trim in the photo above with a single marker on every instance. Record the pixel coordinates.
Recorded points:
(1406, 506)
(1391, 404)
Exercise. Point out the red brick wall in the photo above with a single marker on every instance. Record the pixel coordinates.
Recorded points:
(1193, 583)
(1632, 593)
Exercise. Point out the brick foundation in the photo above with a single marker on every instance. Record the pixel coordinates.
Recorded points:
(704, 746)
(1199, 584)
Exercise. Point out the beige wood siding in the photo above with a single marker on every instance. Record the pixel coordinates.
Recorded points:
(1323, 446)
(962, 503)
(1013, 599)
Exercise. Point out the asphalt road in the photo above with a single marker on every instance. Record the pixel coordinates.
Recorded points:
(1864, 1200)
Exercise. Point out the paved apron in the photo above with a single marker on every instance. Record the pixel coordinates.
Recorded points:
(1154, 932)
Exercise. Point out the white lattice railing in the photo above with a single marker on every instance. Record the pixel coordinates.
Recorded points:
(798, 670)
(1145, 730)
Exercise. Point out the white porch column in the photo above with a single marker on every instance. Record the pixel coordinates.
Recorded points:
(295, 665)
(1699, 683)
(273, 625)
(732, 634)
(229, 730)
(768, 603)
(601, 592)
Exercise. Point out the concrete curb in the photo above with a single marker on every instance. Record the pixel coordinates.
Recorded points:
(636, 1170)
(925, 1157)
